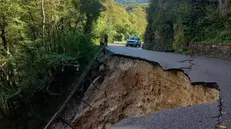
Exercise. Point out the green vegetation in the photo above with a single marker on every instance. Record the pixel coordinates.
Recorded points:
(175, 24)
(120, 22)
(46, 45)
(131, 1)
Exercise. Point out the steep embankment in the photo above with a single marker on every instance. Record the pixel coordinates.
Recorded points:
(133, 88)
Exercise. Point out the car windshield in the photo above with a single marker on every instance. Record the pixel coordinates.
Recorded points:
(133, 38)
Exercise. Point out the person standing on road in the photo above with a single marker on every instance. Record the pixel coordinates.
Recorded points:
(106, 40)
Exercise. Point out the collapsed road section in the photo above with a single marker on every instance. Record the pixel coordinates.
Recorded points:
(131, 88)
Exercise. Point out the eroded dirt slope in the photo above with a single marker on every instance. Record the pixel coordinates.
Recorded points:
(134, 88)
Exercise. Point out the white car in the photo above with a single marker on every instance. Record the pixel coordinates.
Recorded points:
(133, 42)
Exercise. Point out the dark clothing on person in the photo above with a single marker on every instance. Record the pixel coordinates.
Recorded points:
(101, 43)
(105, 39)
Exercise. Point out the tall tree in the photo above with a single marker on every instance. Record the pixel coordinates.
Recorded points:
(4, 7)
(43, 21)
(223, 6)
(91, 11)
(45, 39)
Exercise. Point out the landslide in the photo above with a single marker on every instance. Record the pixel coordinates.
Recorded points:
(132, 88)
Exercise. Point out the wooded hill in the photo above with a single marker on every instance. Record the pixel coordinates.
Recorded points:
(46, 44)
(121, 22)
(131, 1)
(173, 25)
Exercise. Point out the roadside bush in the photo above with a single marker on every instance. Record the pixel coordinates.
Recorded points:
(32, 85)
(179, 40)
(199, 21)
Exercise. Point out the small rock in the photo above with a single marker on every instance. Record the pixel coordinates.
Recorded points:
(222, 127)
(108, 125)
(101, 68)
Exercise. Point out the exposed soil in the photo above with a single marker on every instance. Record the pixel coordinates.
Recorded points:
(134, 88)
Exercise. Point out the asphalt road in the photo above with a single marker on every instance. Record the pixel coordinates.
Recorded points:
(203, 70)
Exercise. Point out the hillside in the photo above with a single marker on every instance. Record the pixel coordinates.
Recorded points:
(131, 1)
(121, 22)
(177, 24)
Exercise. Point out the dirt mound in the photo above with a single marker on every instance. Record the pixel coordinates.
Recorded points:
(134, 88)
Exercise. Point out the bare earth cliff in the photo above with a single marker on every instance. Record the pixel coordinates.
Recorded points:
(132, 88)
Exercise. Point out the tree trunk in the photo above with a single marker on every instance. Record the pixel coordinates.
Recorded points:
(3, 36)
(33, 27)
(223, 6)
(43, 22)
(87, 27)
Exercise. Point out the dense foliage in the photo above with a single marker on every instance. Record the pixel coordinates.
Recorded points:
(44, 44)
(175, 24)
(131, 1)
(121, 22)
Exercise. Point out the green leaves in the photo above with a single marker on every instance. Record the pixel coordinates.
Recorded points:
(36, 70)
(120, 23)
(131, 1)
(199, 22)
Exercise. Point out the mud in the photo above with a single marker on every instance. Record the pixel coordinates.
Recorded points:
(134, 88)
